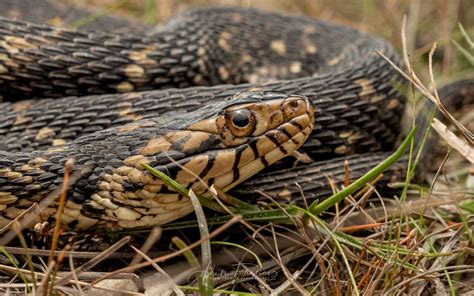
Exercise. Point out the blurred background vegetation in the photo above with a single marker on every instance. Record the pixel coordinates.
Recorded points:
(428, 21)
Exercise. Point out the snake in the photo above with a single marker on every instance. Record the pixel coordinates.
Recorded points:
(212, 96)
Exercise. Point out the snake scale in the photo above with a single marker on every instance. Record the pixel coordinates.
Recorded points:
(222, 92)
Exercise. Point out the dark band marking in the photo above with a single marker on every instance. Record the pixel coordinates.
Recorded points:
(73, 224)
(211, 158)
(178, 145)
(235, 167)
(272, 138)
(283, 150)
(253, 145)
(128, 186)
(297, 125)
(89, 211)
(210, 182)
(22, 207)
(164, 189)
(171, 170)
(283, 130)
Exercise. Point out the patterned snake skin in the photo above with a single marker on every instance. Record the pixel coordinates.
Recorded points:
(93, 95)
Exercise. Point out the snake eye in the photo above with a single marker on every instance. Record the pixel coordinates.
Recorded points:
(241, 118)
(240, 122)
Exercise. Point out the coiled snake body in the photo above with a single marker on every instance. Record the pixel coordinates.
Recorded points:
(255, 60)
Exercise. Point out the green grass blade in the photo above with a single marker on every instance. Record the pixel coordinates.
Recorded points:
(189, 255)
(205, 279)
(14, 263)
(466, 36)
(149, 11)
(317, 208)
(324, 226)
(273, 215)
(220, 291)
(469, 57)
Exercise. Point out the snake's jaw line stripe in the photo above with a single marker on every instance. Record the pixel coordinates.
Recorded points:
(223, 144)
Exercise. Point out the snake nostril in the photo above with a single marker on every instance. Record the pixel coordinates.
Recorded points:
(295, 103)
(294, 106)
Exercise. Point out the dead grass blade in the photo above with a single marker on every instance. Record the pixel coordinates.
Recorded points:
(219, 230)
(416, 82)
(154, 236)
(449, 137)
(161, 287)
(91, 263)
(62, 200)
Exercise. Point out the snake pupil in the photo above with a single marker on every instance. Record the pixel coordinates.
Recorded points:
(241, 118)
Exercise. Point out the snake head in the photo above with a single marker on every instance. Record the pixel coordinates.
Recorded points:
(252, 131)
